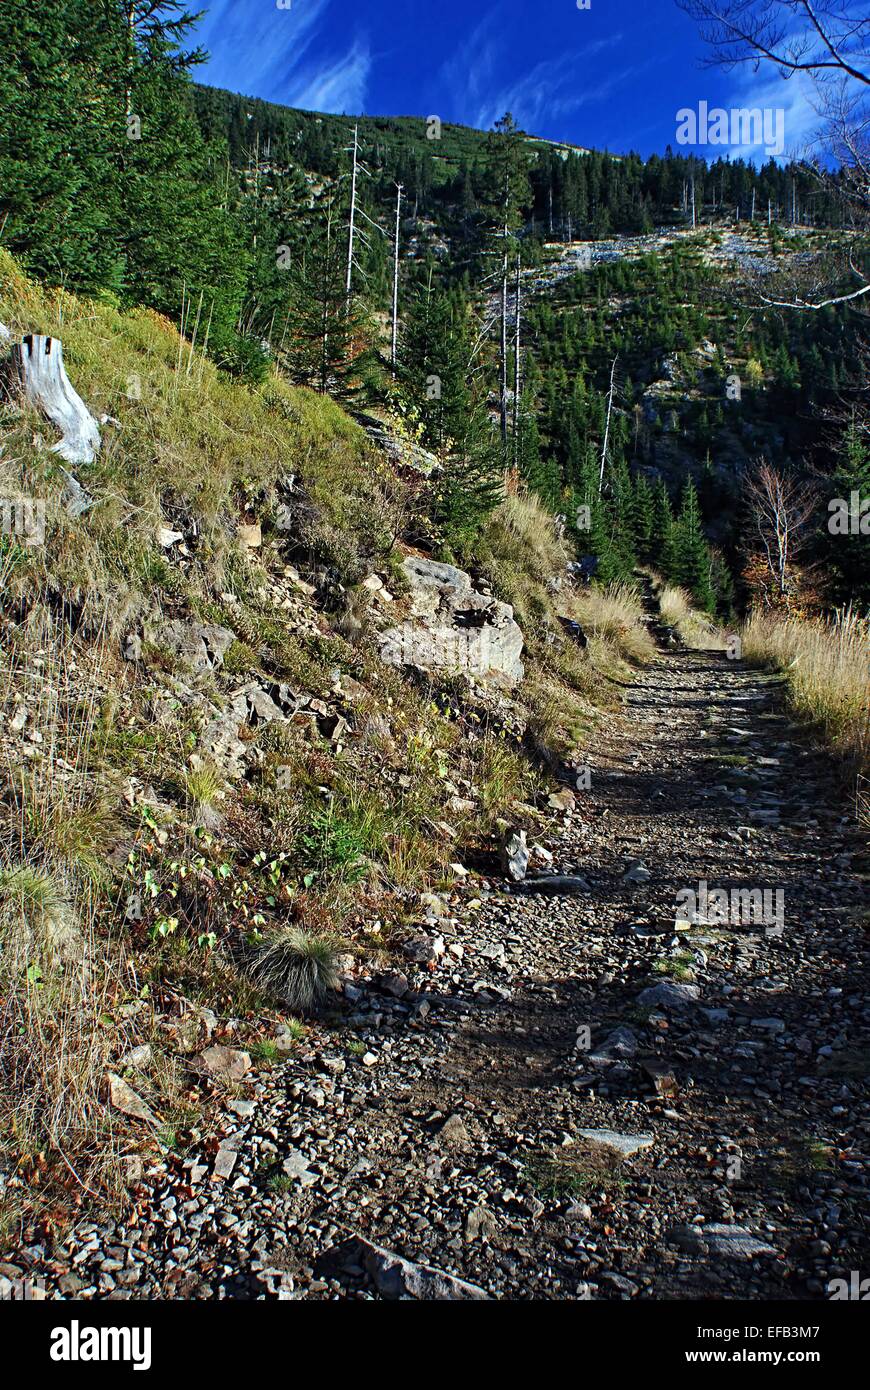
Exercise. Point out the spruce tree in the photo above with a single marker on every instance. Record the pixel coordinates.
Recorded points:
(662, 546)
(60, 126)
(175, 233)
(619, 501)
(593, 522)
(692, 557)
(469, 486)
(434, 369)
(105, 180)
(845, 548)
(433, 363)
(322, 347)
(642, 516)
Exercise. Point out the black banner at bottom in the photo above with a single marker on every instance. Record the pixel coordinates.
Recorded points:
(226, 1338)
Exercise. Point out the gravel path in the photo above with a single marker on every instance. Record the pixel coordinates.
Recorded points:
(442, 1115)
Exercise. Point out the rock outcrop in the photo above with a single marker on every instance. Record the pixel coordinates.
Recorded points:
(402, 452)
(453, 626)
(198, 646)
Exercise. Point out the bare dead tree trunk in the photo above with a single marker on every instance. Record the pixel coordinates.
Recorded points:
(607, 426)
(503, 363)
(396, 276)
(129, 59)
(352, 228)
(324, 318)
(516, 422)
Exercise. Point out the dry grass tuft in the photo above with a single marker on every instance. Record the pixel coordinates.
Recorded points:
(191, 447)
(296, 967)
(56, 972)
(53, 1047)
(521, 553)
(827, 667)
(203, 786)
(675, 605)
(695, 628)
(615, 614)
(574, 1172)
(36, 914)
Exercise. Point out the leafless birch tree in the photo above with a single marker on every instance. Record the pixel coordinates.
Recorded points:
(781, 507)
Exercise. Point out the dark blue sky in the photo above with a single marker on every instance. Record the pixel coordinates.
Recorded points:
(612, 77)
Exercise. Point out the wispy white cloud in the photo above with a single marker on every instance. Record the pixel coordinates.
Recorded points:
(270, 52)
(796, 98)
(473, 79)
(337, 86)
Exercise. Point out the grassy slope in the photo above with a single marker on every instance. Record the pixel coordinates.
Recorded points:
(191, 445)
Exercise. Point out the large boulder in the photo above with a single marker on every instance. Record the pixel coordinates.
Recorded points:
(452, 626)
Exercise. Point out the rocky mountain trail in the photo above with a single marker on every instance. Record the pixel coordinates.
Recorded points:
(588, 1092)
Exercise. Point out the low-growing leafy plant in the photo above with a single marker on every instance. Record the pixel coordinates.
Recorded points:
(340, 838)
(239, 658)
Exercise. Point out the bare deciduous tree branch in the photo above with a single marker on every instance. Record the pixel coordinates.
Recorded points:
(752, 31)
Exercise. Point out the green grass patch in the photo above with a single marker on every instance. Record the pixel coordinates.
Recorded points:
(574, 1172)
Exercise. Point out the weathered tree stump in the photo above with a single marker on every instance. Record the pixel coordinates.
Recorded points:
(46, 385)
